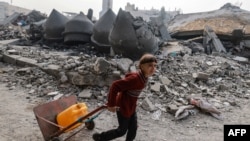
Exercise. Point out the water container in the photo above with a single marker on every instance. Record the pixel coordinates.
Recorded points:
(72, 114)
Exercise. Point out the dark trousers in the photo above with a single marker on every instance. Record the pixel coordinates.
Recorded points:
(126, 125)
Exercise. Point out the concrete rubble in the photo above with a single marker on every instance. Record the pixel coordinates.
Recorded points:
(228, 29)
(185, 68)
(217, 77)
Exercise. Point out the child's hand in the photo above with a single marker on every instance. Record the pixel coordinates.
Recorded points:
(113, 109)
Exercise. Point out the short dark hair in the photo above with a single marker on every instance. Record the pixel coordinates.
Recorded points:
(147, 58)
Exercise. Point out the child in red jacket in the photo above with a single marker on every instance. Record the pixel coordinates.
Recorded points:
(123, 95)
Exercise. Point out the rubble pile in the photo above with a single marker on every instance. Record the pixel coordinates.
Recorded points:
(225, 29)
(199, 67)
(230, 36)
(37, 82)
(18, 25)
(217, 77)
(10, 32)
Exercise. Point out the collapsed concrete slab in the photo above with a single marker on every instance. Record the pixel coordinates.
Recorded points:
(10, 19)
(222, 21)
(230, 24)
(211, 41)
(35, 16)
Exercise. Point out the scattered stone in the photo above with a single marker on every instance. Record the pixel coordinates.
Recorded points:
(57, 96)
(53, 93)
(147, 105)
(156, 87)
(86, 93)
(201, 76)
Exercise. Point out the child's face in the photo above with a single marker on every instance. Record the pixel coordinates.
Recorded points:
(148, 68)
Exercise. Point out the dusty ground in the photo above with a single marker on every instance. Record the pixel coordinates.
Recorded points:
(17, 121)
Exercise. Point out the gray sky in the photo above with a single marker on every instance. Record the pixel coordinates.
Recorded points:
(187, 6)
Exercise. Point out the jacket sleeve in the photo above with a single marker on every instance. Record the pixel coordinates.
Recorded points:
(127, 83)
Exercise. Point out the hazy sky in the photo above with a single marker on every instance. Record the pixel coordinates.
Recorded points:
(187, 6)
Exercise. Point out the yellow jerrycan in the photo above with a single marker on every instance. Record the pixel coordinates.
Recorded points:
(70, 115)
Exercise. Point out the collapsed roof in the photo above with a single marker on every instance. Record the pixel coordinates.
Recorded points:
(223, 21)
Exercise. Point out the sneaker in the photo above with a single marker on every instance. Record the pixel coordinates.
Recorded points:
(96, 137)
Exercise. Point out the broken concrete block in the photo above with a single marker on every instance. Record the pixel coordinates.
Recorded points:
(184, 84)
(18, 60)
(164, 80)
(11, 59)
(123, 64)
(52, 70)
(54, 93)
(32, 91)
(156, 87)
(147, 105)
(86, 93)
(23, 71)
(164, 32)
(13, 52)
(240, 59)
(91, 79)
(170, 91)
(57, 96)
(172, 48)
(172, 108)
(247, 82)
(116, 73)
(201, 76)
(23, 61)
(209, 63)
(246, 43)
(63, 78)
(211, 41)
(222, 87)
(101, 65)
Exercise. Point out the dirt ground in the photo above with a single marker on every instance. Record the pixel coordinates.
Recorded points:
(17, 121)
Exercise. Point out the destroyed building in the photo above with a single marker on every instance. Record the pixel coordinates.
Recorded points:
(7, 10)
(147, 14)
(226, 28)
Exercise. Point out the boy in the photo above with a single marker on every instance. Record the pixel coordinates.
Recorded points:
(122, 98)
